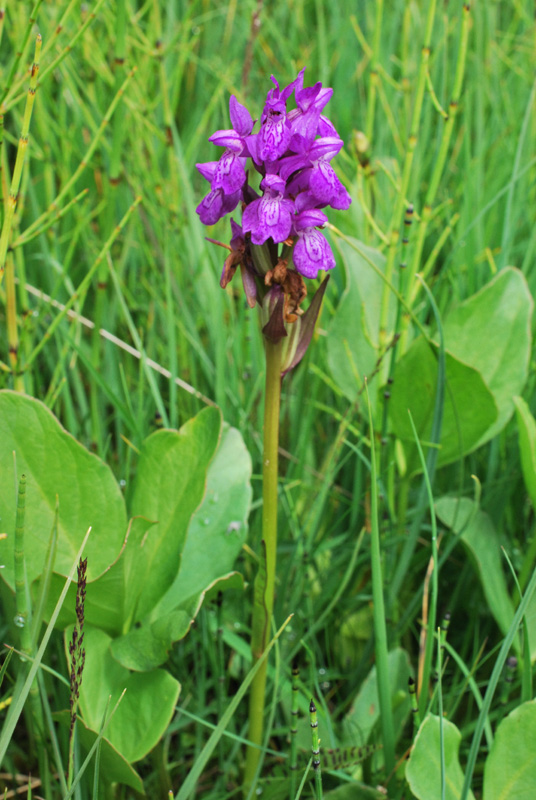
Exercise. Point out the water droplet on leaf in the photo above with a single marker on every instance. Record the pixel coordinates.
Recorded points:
(19, 621)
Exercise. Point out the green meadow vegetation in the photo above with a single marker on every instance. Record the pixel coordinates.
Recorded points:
(403, 633)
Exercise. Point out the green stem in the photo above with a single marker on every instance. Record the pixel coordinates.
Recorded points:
(380, 629)
(265, 581)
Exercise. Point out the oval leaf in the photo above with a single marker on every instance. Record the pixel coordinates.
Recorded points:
(423, 770)
(491, 331)
(469, 409)
(510, 770)
(55, 464)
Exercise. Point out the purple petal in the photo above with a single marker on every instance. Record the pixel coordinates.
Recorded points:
(327, 188)
(310, 218)
(312, 253)
(326, 148)
(216, 205)
(230, 174)
(273, 182)
(268, 217)
(274, 138)
(326, 127)
(229, 139)
(323, 183)
(250, 216)
(240, 117)
(207, 169)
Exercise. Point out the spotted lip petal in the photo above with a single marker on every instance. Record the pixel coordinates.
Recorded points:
(230, 174)
(312, 253)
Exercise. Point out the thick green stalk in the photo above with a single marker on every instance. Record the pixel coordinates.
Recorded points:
(265, 582)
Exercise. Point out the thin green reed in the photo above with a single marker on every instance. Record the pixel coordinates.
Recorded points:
(378, 610)
(432, 613)
(293, 760)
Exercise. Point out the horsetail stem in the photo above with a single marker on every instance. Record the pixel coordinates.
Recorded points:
(20, 52)
(294, 731)
(412, 690)
(19, 162)
(315, 749)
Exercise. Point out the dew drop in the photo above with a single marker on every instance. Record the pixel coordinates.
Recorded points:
(234, 527)
(122, 483)
(214, 498)
(206, 522)
(19, 621)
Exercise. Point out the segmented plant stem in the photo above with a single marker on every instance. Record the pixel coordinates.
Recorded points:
(19, 162)
(294, 732)
(315, 746)
(265, 581)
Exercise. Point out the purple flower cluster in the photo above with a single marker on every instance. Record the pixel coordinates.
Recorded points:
(292, 152)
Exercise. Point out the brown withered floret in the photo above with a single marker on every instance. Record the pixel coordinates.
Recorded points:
(293, 286)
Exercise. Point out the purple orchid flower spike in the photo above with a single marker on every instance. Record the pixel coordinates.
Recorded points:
(279, 244)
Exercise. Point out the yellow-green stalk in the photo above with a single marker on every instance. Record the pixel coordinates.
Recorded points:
(265, 581)
(19, 163)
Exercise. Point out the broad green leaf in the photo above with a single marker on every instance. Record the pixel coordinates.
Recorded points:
(114, 768)
(353, 336)
(469, 410)
(144, 712)
(55, 464)
(478, 535)
(169, 487)
(510, 769)
(214, 539)
(423, 770)
(365, 711)
(218, 528)
(491, 331)
(527, 446)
